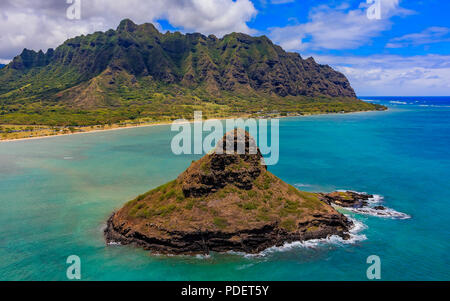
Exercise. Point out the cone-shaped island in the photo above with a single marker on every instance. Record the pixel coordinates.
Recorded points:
(226, 201)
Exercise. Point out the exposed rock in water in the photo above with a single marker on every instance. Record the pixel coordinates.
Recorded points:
(362, 203)
(347, 199)
(379, 208)
(226, 201)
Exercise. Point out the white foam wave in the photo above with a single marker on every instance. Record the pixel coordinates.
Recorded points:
(375, 200)
(354, 232)
(245, 266)
(114, 243)
(386, 212)
(202, 256)
(434, 106)
(345, 190)
(302, 185)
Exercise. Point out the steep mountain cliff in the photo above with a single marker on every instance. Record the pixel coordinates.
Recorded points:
(136, 70)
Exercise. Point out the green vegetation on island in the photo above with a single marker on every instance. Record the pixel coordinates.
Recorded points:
(224, 202)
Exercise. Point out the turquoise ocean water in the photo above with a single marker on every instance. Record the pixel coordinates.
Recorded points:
(56, 194)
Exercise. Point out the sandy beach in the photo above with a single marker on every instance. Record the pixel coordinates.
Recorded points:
(112, 129)
(155, 124)
(85, 132)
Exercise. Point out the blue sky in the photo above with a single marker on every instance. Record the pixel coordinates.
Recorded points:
(405, 52)
(408, 17)
(411, 41)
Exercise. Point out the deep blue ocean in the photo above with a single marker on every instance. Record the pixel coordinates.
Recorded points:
(57, 193)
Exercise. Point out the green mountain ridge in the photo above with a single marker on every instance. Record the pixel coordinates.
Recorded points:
(136, 72)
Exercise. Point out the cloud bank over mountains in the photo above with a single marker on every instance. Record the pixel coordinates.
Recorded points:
(43, 24)
(391, 75)
(337, 27)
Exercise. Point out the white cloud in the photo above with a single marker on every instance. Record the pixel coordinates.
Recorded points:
(43, 24)
(428, 36)
(218, 17)
(25, 30)
(393, 75)
(205, 16)
(336, 27)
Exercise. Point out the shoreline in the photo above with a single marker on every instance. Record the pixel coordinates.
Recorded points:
(112, 129)
(160, 124)
(86, 132)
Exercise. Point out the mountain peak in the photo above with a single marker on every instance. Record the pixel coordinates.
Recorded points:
(238, 142)
(236, 160)
(127, 25)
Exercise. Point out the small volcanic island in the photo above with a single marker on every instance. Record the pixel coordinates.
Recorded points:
(228, 201)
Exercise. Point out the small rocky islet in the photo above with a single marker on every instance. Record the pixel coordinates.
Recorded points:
(229, 202)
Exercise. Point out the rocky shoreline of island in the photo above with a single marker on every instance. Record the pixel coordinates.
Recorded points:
(228, 202)
(254, 240)
(249, 241)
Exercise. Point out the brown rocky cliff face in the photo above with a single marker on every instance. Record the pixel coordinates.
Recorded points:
(220, 168)
(222, 202)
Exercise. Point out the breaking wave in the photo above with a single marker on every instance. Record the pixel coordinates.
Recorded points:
(435, 106)
(355, 236)
(302, 185)
(386, 213)
(113, 243)
(371, 209)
